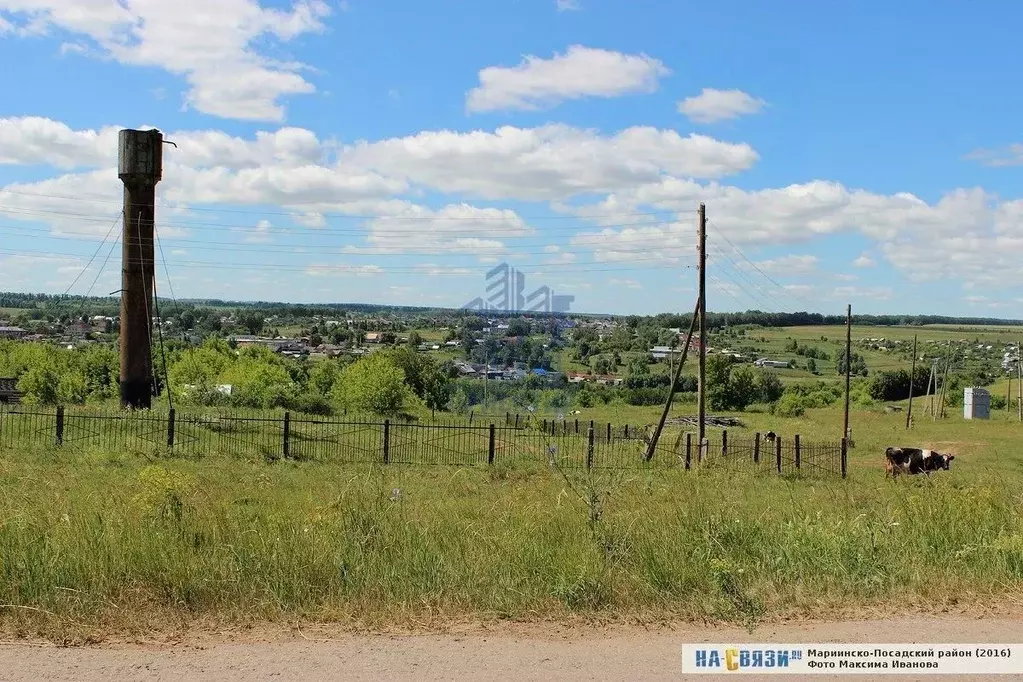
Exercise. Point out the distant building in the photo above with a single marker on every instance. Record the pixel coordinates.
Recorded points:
(9, 392)
(373, 337)
(764, 362)
(12, 332)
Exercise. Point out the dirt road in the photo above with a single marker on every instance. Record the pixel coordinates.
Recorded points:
(502, 653)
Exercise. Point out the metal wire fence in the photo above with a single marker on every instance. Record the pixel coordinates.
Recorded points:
(447, 440)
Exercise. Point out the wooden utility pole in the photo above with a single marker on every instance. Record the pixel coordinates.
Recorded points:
(702, 387)
(1019, 383)
(912, 377)
(140, 167)
(939, 410)
(848, 367)
(931, 383)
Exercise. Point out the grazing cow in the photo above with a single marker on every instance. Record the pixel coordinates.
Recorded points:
(914, 461)
(770, 435)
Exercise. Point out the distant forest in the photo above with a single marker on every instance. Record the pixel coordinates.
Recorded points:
(108, 305)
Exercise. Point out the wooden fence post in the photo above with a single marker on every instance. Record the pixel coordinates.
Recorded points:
(689, 450)
(703, 451)
(287, 435)
(609, 432)
(724, 442)
(170, 427)
(490, 447)
(387, 440)
(60, 425)
(516, 420)
(589, 448)
(756, 448)
(777, 452)
(470, 417)
(577, 425)
(507, 418)
(796, 443)
(626, 432)
(544, 426)
(845, 449)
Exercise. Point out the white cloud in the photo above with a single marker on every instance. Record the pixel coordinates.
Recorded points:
(790, 265)
(628, 283)
(864, 261)
(310, 219)
(713, 105)
(343, 270)
(456, 228)
(1010, 155)
(538, 83)
(36, 140)
(547, 163)
(845, 277)
(567, 5)
(799, 289)
(213, 46)
(259, 234)
(869, 293)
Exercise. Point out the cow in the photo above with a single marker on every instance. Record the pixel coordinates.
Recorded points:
(770, 436)
(914, 461)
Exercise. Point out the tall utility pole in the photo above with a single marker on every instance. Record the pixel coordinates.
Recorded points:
(1019, 383)
(848, 367)
(912, 377)
(932, 382)
(140, 167)
(702, 399)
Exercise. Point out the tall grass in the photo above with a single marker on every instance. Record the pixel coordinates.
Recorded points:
(97, 542)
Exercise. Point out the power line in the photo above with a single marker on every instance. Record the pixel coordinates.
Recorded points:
(93, 257)
(328, 214)
(452, 249)
(758, 269)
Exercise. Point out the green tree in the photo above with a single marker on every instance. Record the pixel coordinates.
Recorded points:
(811, 366)
(252, 320)
(376, 384)
(40, 385)
(414, 340)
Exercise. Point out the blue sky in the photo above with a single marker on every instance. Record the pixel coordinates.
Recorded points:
(393, 152)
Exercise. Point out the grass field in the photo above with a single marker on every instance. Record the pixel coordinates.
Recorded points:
(94, 543)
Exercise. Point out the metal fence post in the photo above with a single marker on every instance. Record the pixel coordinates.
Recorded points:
(387, 441)
(589, 448)
(777, 452)
(845, 450)
(60, 425)
(490, 447)
(756, 448)
(170, 427)
(724, 442)
(286, 449)
(796, 443)
(689, 450)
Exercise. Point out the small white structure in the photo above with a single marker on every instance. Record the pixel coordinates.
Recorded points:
(976, 403)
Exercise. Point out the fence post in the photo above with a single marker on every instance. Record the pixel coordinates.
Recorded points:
(796, 443)
(516, 420)
(724, 442)
(626, 432)
(609, 432)
(577, 425)
(845, 448)
(544, 426)
(756, 448)
(60, 425)
(589, 448)
(286, 449)
(470, 417)
(689, 450)
(170, 428)
(507, 418)
(490, 447)
(703, 451)
(387, 441)
(777, 452)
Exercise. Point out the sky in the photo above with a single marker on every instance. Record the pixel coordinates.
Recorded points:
(394, 152)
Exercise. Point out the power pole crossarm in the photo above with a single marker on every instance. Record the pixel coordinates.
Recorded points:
(140, 168)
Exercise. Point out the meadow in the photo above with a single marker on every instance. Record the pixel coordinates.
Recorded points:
(96, 543)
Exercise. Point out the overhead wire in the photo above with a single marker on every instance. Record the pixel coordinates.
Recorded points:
(93, 257)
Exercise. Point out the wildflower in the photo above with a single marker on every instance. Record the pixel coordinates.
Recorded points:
(395, 494)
